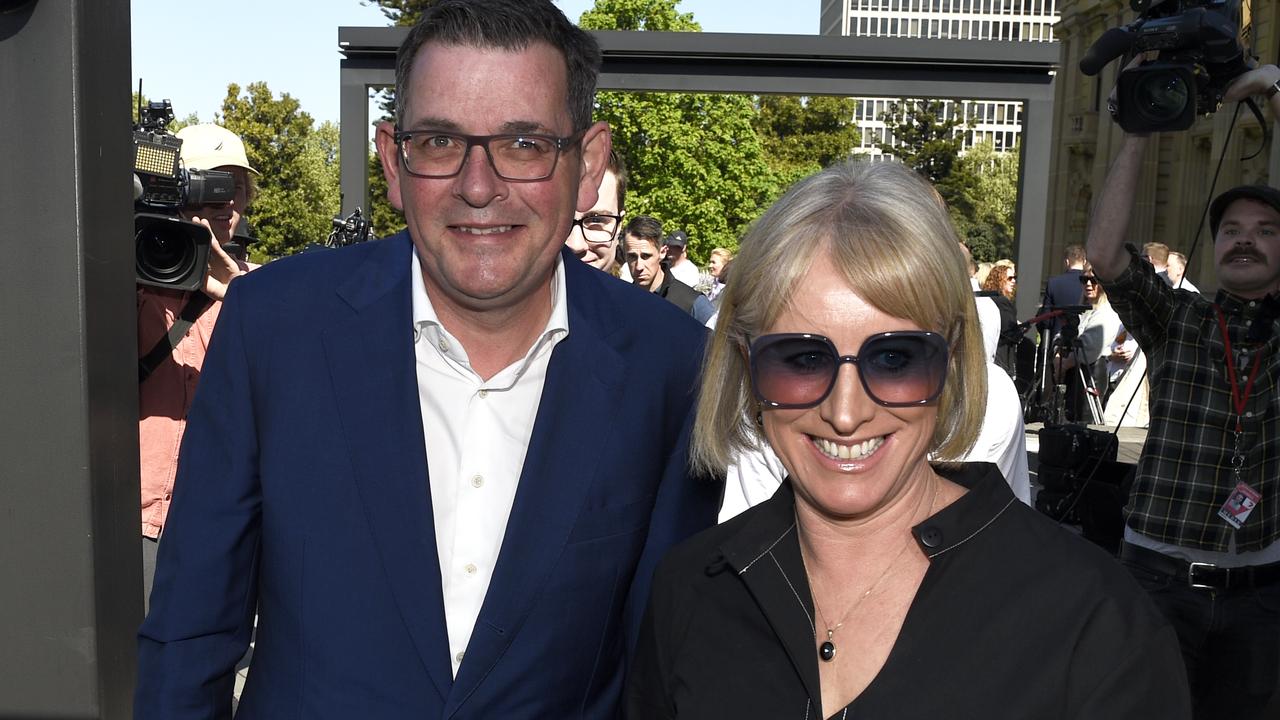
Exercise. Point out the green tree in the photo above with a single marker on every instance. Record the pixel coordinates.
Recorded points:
(804, 135)
(695, 160)
(297, 187)
(930, 141)
(991, 232)
(402, 13)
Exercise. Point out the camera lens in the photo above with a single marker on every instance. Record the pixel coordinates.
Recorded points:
(1161, 97)
(163, 255)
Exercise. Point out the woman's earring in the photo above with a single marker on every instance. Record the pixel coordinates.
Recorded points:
(759, 418)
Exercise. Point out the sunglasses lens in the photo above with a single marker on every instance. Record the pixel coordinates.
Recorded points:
(793, 370)
(896, 368)
(903, 369)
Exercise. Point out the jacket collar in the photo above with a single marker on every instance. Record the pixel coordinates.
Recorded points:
(765, 554)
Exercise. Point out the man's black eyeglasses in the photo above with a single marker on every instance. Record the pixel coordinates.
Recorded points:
(517, 157)
(598, 228)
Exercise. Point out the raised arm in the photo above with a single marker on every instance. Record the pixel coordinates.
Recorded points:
(1109, 224)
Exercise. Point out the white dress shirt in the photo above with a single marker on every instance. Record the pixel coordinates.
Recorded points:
(477, 433)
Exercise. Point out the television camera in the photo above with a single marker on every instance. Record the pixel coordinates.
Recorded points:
(170, 252)
(1201, 46)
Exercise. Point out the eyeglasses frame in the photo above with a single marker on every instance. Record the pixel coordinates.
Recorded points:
(841, 360)
(578, 223)
(560, 143)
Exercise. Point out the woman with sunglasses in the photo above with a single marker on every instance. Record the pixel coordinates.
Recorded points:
(874, 584)
(1092, 350)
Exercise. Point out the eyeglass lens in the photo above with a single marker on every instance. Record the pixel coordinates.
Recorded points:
(598, 229)
(1086, 279)
(896, 369)
(513, 157)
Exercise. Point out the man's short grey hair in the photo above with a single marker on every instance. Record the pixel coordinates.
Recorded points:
(511, 25)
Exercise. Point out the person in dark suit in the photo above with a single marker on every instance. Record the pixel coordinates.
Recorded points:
(385, 458)
(1065, 289)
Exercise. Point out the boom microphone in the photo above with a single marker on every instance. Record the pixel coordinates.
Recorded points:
(1111, 45)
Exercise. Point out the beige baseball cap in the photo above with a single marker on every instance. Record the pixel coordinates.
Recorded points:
(207, 146)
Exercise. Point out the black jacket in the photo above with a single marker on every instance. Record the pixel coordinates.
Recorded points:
(1015, 618)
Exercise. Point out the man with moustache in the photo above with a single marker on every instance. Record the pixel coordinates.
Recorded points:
(1209, 560)
(385, 460)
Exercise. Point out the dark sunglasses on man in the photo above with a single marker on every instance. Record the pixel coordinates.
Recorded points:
(799, 370)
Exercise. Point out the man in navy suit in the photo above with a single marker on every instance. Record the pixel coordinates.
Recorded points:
(441, 466)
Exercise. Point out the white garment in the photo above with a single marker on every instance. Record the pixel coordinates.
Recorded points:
(1134, 380)
(1099, 326)
(686, 272)
(1187, 285)
(751, 479)
(1002, 440)
(477, 434)
(1003, 437)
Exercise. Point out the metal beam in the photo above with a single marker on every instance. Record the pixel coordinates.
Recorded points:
(784, 65)
(70, 544)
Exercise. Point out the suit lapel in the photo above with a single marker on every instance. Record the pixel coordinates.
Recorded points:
(372, 364)
(583, 389)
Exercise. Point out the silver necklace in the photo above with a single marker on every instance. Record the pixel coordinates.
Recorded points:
(827, 650)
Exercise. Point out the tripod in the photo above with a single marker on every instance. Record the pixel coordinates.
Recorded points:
(1046, 398)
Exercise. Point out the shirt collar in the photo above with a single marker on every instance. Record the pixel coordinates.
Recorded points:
(427, 325)
(987, 498)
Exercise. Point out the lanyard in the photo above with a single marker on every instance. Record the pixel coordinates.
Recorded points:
(1239, 397)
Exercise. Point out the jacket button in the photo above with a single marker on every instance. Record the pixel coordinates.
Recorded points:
(931, 537)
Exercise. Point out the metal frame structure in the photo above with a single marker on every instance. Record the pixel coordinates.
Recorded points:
(774, 64)
(69, 540)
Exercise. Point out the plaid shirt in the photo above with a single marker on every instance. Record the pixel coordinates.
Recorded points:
(1185, 472)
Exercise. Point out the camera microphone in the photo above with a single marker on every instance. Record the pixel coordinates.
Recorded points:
(1111, 45)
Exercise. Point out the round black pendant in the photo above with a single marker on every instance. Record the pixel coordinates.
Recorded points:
(827, 651)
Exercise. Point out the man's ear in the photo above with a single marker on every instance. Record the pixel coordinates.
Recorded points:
(596, 143)
(662, 251)
(389, 156)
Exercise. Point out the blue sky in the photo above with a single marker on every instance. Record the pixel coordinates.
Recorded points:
(293, 44)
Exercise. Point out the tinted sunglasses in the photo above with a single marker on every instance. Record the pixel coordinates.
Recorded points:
(1086, 279)
(799, 370)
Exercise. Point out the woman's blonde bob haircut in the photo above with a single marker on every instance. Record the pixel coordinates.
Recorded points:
(887, 230)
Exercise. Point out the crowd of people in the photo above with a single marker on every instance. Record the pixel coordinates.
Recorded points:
(526, 459)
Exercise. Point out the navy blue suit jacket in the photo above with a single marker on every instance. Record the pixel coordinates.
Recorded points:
(303, 494)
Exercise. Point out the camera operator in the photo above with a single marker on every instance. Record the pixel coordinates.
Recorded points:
(165, 395)
(1203, 517)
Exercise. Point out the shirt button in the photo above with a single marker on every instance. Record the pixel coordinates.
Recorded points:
(444, 346)
(483, 394)
(458, 657)
(931, 537)
(477, 481)
(1249, 414)
(471, 569)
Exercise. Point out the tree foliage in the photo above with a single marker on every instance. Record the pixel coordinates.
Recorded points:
(402, 13)
(804, 135)
(695, 161)
(298, 181)
(980, 191)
